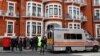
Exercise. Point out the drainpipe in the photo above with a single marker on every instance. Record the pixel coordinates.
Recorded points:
(63, 14)
(20, 16)
(92, 18)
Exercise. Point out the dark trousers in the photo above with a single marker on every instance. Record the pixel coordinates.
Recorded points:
(20, 47)
(42, 50)
(12, 48)
(36, 47)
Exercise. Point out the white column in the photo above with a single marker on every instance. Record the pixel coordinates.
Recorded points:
(58, 10)
(42, 28)
(36, 9)
(30, 29)
(53, 11)
(31, 10)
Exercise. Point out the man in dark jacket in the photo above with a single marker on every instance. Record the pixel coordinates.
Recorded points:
(35, 43)
(43, 44)
(20, 44)
(12, 44)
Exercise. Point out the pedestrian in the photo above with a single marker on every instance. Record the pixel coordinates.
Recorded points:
(20, 44)
(28, 45)
(16, 43)
(12, 44)
(43, 43)
(32, 42)
(35, 42)
(24, 43)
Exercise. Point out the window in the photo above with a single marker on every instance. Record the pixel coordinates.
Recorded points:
(29, 9)
(35, 28)
(53, 10)
(97, 14)
(67, 36)
(39, 28)
(79, 36)
(98, 30)
(96, 2)
(11, 8)
(74, 25)
(39, 10)
(73, 36)
(74, 11)
(10, 27)
(34, 9)
(28, 27)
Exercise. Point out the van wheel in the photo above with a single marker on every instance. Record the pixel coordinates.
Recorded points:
(95, 49)
(68, 50)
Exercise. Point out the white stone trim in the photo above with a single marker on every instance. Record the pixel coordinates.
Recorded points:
(50, 22)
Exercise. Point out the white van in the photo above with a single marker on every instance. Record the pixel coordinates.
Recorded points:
(63, 39)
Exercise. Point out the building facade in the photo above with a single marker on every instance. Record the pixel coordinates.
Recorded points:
(36, 17)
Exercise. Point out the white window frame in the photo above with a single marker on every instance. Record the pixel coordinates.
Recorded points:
(95, 3)
(96, 26)
(31, 2)
(31, 28)
(72, 16)
(8, 7)
(95, 11)
(13, 33)
(53, 16)
(74, 23)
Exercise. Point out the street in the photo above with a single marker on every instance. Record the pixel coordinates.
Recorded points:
(33, 53)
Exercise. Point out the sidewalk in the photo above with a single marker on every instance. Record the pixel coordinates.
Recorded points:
(1, 50)
(24, 50)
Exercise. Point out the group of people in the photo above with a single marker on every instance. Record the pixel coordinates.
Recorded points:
(33, 43)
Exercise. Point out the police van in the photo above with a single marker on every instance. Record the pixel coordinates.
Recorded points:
(63, 39)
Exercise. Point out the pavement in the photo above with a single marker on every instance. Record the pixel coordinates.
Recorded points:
(29, 52)
(24, 50)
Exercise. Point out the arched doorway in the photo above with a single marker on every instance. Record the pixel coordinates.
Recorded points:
(52, 26)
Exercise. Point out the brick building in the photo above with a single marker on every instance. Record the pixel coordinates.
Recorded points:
(35, 17)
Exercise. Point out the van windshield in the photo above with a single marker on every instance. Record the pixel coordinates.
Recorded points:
(89, 37)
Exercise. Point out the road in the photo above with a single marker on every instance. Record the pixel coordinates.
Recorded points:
(33, 53)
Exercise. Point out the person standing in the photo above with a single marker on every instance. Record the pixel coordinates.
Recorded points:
(35, 42)
(24, 43)
(12, 44)
(16, 42)
(43, 43)
(20, 44)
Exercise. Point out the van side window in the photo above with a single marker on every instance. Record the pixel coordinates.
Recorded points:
(79, 36)
(73, 36)
(67, 36)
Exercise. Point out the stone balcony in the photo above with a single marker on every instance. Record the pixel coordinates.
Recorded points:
(80, 2)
